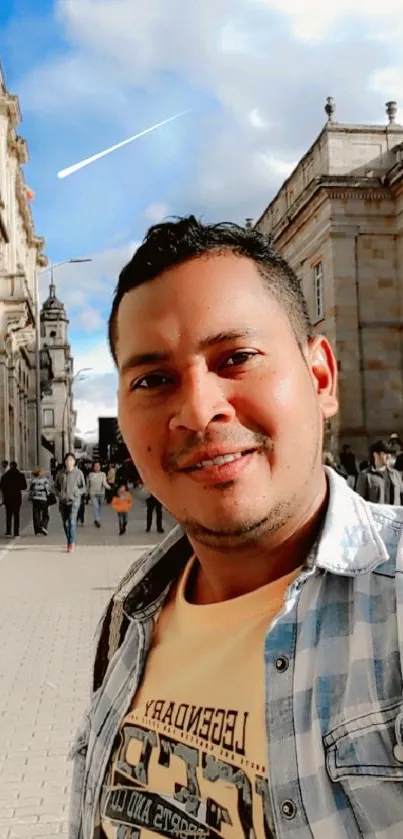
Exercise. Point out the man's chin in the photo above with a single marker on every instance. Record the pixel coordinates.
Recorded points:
(225, 534)
(230, 530)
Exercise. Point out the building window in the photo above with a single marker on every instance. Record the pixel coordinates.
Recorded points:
(48, 418)
(319, 291)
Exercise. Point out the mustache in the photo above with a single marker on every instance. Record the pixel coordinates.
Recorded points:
(256, 440)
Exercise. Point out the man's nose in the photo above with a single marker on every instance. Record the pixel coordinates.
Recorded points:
(201, 400)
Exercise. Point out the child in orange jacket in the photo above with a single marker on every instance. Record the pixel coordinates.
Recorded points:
(122, 503)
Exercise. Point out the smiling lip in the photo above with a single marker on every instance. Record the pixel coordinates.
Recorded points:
(219, 473)
(214, 458)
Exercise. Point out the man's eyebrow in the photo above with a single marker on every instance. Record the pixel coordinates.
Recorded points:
(155, 356)
(141, 359)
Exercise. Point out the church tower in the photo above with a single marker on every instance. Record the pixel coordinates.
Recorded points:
(58, 417)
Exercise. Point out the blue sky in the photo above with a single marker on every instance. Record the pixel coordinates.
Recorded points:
(255, 74)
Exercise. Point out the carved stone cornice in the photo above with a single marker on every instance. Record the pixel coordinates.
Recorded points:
(21, 150)
(9, 105)
(38, 242)
(21, 194)
(340, 187)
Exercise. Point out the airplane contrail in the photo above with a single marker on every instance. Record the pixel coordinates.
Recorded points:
(76, 166)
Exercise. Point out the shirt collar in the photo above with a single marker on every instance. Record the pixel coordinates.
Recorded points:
(349, 544)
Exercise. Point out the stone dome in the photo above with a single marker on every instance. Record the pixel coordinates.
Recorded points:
(52, 306)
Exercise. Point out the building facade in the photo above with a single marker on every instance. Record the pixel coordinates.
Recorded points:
(21, 253)
(338, 221)
(58, 415)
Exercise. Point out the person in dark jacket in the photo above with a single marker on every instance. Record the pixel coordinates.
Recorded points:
(39, 491)
(12, 486)
(349, 463)
(152, 504)
(380, 483)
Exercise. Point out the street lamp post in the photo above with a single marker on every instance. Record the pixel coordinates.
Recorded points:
(38, 398)
(69, 392)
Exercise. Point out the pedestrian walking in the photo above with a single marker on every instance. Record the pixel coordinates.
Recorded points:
(122, 504)
(96, 487)
(248, 670)
(379, 482)
(4, 467)
(349, 463)
(152, 504)
(12, 485)
(111, 479)
(39, 494)
(81, 509)
(69, 488)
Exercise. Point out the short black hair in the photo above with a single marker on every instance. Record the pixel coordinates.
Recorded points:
(174, 242)
(69, 454)
(381, 447)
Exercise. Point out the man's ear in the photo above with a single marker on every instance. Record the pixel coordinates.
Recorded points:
(323, 367)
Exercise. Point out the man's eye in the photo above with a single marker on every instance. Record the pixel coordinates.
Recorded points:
(149, 382)
(239, 358)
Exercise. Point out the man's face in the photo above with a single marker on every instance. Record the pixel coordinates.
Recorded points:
(70, 463)
(209, 366)
(97, 467)
(381, 459)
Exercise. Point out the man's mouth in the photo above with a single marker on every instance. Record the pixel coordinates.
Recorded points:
(219, 460)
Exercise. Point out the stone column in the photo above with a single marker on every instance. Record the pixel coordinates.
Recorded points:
(4, 409)
(14, 413)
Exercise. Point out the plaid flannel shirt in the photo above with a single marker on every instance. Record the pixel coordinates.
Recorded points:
(333, 679)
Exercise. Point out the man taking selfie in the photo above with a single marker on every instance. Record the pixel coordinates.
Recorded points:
(248, 671)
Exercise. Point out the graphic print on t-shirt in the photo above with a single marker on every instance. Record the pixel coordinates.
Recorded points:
(191, 754)
(211, 788)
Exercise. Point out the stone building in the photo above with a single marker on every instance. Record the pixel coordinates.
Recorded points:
(338, 220)
(21, 252)
(58, 415)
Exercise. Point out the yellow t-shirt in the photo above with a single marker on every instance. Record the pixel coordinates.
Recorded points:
(191, 760)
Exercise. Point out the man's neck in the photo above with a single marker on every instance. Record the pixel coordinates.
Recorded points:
(223, 575)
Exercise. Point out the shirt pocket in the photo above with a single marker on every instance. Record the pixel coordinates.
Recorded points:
(365, 756)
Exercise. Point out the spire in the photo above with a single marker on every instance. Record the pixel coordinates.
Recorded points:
(52, 306)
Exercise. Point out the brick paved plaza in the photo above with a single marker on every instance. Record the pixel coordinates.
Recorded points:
(50, 602)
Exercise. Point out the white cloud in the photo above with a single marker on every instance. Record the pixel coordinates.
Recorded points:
(390, 79)
(89, 319)
(155, 213)
(279, 167)
(95, 395)
(314, 19)
(84, 288)
(264, 68)
(96, 357)
(89, 411)
(237, 54)
(257, 119)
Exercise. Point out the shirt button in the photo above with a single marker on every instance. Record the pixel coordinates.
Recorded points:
(282, 663)
(89, 796)
(288, 809)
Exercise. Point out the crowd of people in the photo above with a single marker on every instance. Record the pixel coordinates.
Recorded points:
(72, 486)
(378, 479)
(76, 484)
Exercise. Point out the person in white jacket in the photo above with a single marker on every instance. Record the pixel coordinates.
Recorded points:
(96, 486)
